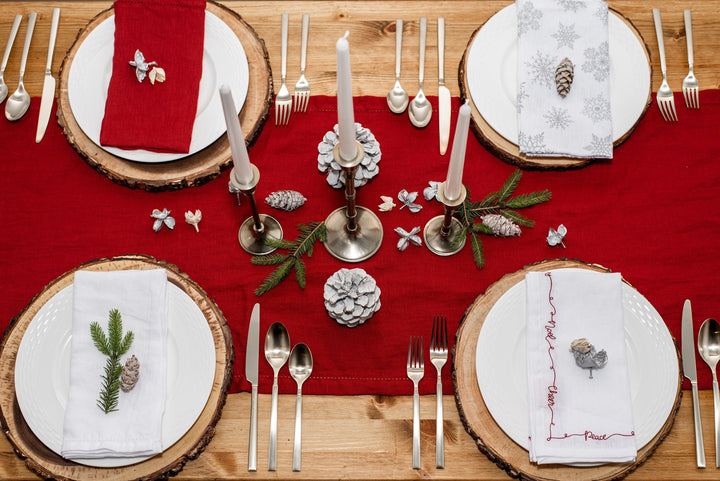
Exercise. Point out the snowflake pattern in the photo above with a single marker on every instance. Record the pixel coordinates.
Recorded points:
(597, 108)
(571, 5)
(597, 61)
(528, 18)
(600, 146)
(557, 118)
(541, 69)
(521, 96)
(532, 143)
(602, 13)
(565, 35)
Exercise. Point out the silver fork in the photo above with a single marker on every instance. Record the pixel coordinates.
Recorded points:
(283, 100)
(438, 358)
(664, 96)
(415, 371)
(690, 87)
(302, 87)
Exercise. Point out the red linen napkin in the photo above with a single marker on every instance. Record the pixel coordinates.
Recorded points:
(159, 117)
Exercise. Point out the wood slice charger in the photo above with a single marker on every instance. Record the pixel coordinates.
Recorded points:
(479, 423)
(50, 465)
(193, 170)
(509, 152)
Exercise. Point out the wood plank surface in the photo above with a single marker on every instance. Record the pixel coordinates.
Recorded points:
(369, 437)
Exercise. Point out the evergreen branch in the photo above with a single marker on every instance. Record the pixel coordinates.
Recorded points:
(99, 339)
(126, 342)
(300, 273)
(268, 260)
(114, 329)
(518, 218)
(476, 244)
(528, 200)
(276, 277)
(278, 243)
(113, 346)
(510, 185)
(457, 240)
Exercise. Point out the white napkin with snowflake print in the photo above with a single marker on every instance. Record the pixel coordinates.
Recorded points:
(577, 415)
(580, 124)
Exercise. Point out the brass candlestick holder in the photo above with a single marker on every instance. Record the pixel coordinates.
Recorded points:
(440, 231)
(354, 233)
(255, 229)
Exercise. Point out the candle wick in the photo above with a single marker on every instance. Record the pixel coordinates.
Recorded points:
(347, 33)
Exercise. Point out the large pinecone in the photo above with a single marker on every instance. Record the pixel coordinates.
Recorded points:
(351, 297)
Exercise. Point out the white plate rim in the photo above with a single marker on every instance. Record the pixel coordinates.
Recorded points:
(224, 61)
(41, 403)
(628, 59)
(509, 411)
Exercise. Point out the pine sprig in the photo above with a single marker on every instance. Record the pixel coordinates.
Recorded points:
(303, 244)
(113, 345)
(499, 202)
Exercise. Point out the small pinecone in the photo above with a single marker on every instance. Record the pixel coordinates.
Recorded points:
(130, 374)
(286, 200)
(564, 74)
(501, 226)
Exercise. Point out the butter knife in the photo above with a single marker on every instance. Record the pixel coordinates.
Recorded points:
(48, 93)
(251, 374)
(688, 361)
(443, 91)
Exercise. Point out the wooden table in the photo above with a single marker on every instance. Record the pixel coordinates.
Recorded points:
(370, 437)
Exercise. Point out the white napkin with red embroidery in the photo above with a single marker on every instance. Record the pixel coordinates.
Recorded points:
(576, 419)
(135, 429)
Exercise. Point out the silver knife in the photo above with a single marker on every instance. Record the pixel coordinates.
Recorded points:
(251, 373)
(688, 361)
(443, 91)
(48, 93)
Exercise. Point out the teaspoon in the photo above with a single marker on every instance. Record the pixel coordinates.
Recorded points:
(18, 103)
(277, 350)
(420, 109)
(397, 97)
(300, 365)
(709, 349)
(8, 48)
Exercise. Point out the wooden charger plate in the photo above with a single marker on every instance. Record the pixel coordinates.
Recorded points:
(479, 423)
(508, 151)
(196, 169)
(50, 465)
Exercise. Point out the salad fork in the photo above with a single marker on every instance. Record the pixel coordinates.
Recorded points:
(438, 358)
(302, 87)
(283, 100)
(664, 96)
(690, 87)
(415, 371)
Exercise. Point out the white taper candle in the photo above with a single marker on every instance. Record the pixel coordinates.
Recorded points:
(453, 184)
(243, 172)
(346, 117)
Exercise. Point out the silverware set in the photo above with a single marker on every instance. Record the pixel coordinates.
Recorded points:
(415, 372)
(708, 345)
(690, 85)
(277, 353)
(285, 103)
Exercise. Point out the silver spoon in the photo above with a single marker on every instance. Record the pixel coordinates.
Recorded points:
(420, 109)
(277, 350)
(18, 103)
(301, 365)
(397, 98)
(8, 48)
(709, 349)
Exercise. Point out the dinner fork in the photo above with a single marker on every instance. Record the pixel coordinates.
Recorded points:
(302, 87)
(283, 100)
(438, 358)
(664, 96)
(415, 371)
(690, 87)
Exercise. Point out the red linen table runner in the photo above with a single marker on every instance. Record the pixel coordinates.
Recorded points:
(650, 213)
(160, 116)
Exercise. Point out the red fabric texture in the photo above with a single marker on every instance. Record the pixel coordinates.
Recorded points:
(159, 117)
(650, 213)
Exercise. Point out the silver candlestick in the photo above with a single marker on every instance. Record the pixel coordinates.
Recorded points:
(354, 233)
(254, 230)
(440, 231)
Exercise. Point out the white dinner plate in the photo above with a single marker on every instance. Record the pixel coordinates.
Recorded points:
(224, 62)
(651, 355)
(42, 371)
(491, 66)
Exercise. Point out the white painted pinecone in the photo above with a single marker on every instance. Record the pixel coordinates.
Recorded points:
(501, 226)
(564, 74)
(368, 167)
(287, 200)
(351, 297)
(130, 374)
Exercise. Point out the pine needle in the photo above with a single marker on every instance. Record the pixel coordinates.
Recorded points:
(113, 345)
